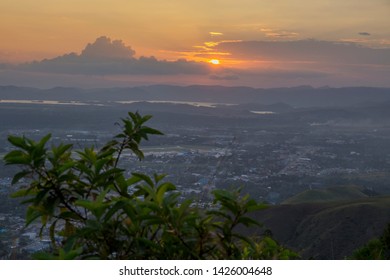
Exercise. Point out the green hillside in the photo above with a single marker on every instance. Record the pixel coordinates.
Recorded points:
(327, 195)
(327, 230)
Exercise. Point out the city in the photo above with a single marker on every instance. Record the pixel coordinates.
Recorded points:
(272, 157)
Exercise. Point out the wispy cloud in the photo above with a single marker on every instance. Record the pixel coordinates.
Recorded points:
(211, 44)
(275, 33)
(214, 34)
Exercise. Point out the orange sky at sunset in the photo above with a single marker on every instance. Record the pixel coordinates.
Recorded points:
(257, 43)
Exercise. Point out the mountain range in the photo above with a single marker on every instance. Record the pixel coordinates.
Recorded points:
(297, 97)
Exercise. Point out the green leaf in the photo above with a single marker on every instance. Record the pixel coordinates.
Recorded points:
(159, 177)
(19, 176)
(109, 146)
(133, 180)
(220, 214)
(134, 116)
(102, 196)
(153, 219)
(59, 150)
(115, 209)
(248, 221)
(65, 167)
(100, 163)
(43, 141)
(145, 118)
(151, 205)
(148, 130)
(146, 191)
(244, 238)
(256, 206)
(66, 215)
(22, 193)
(70, 255)
(17, 141)
(32, 214)
(84, 168)
(42, 255)
(122, 184)
(90, 205)
(17, 157)
(162, 189)
(144, 178)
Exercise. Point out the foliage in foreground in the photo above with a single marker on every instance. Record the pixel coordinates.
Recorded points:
(375, 249)
(92, 211)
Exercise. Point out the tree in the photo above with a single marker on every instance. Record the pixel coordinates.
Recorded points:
(92, 210)
(375, 249)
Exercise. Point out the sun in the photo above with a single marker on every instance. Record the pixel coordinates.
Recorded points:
(214, 61)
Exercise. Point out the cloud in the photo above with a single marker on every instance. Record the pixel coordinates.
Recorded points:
(364, 34)
(278, 73)
(314, 62)
(4, 65)
(106, 57)
(104, 48)
(274, 33)
(275, 76)
(224, 77)
(256, 63)
(310, 50)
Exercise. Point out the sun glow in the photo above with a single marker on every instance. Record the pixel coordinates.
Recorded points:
(215, 61)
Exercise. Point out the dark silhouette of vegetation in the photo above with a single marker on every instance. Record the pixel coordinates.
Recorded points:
(375, 249)
(92, 211)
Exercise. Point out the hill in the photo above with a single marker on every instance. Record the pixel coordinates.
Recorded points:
(327, 230)
(327, 195)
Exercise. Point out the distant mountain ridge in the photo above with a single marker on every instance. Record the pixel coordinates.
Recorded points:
(299, 97)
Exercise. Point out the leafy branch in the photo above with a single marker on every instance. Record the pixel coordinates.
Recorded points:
(92, 211)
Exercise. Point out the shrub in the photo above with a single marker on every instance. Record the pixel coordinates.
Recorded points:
(92, 211)
(375, 249)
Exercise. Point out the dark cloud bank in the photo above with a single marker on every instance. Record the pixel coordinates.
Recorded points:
(308, 50)
(106, 57)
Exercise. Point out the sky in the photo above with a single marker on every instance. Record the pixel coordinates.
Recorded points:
(258, 43)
